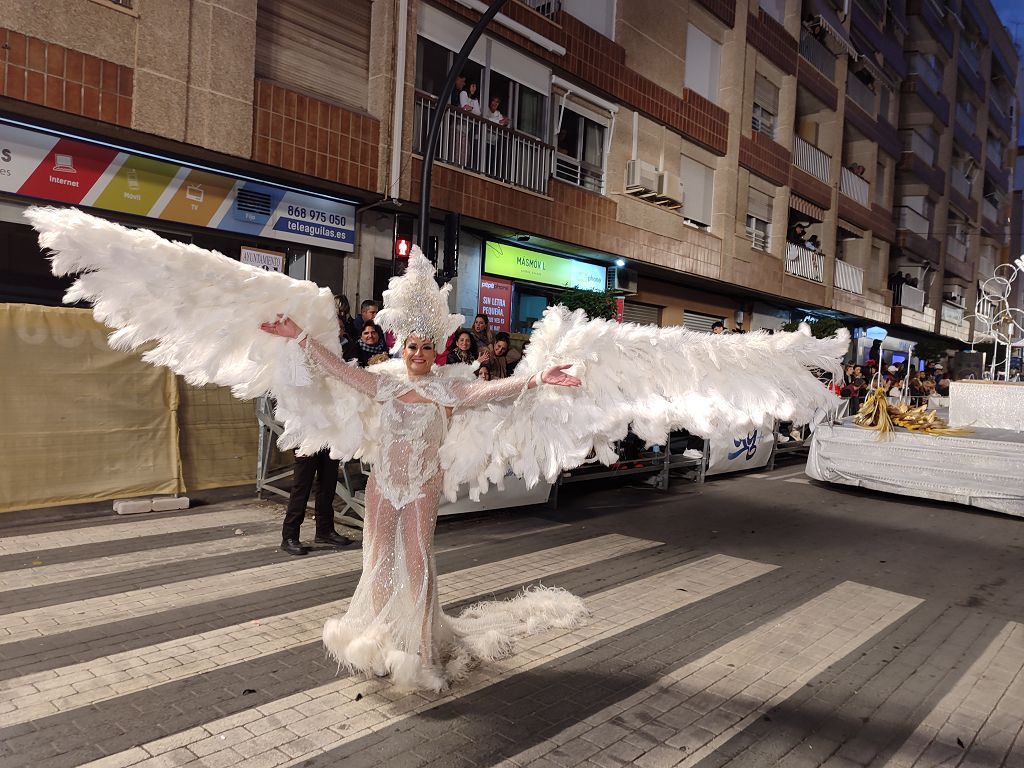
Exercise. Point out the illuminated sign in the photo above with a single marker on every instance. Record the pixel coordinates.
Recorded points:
(523, 264)
(66, 170)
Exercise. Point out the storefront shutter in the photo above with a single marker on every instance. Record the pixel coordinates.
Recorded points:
(318, 47)
(696, 321)
(641, 314)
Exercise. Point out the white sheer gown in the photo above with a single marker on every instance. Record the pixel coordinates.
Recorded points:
(394, 624)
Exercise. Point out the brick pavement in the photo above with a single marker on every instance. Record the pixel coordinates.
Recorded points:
(208, 653)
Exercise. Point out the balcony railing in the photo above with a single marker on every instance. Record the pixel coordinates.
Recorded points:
(989, 211)
(918, 144)
(861, 94)
(547, 8)
(815, 52)
(923, 69)
(849, 278)
(582, 175)
(911, 298)
(485, 147)
(805, 263)
(854, 187)
(911, 220)
(960, 183)
(971, 57)
(952, 313)
(956, 248)
(986, 307)
(986, 262)
(994, 152)
(811, 159)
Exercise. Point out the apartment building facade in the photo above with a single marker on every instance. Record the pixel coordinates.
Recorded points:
(666, 149)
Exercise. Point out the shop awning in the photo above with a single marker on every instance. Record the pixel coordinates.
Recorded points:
(826, 16)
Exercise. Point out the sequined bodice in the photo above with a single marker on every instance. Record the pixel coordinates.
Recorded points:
(411, 435)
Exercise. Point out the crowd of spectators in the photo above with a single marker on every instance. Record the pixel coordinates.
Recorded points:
(900, 382)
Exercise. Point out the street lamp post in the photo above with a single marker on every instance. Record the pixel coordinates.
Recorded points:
(435, 119)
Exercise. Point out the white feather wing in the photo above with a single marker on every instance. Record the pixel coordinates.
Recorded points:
(200, 311)
(651, 380)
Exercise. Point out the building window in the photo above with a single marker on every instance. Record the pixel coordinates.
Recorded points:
(579, 150)
(703, 59)
(698, 182)
(596, 14)
(774, 8)
(759, 219)
(766, 106)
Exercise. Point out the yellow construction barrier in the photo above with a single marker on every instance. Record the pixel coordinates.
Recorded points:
(81, 422)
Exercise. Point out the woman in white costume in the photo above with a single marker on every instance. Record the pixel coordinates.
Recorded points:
(427, 430)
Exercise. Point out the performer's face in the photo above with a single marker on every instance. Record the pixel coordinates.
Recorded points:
(419, 355)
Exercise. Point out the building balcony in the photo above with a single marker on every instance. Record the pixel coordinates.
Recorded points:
(986, 308)
(960, 183)
(912, 221)
(815, 52)
(997, 116)
(910, 297)
(924, 71)
(970, 58)
(480, 146)
(989, 211)
(956, 248)
(952, 313)
(854, 187)
(861, 94)
(917, 144)
(549, 8)
(809, 158)
(849, 278)
(967, 120)
(805, 263)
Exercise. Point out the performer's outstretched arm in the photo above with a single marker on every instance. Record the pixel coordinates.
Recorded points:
(358, 378)
(472, 393)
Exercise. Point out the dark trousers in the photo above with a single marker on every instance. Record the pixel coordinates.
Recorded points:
(326, 469)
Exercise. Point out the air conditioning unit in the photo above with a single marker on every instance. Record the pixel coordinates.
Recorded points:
(622, 280)
(670, 192)
(641, 179)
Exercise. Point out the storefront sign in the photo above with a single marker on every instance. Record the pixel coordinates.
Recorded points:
(65, 170)
(523, 264)
(496, 302)
(738, 452)
(272, 261)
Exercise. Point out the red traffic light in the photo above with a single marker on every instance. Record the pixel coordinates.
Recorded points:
(403, 247)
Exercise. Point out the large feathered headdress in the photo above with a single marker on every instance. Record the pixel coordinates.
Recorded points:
(415, 306)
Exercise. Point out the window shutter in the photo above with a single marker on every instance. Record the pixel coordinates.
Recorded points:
(642, 314)
(696, 321)
(316, 47)
(766, 94)
(759, 205)
(698, 188)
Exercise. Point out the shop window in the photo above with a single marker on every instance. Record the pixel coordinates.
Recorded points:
(580, 148)
(528, 307)
(703, 60)
(766, 106)
(759, 219)
(698, 183)
(315, 47)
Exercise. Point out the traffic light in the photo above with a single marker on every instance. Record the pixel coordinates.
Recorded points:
(403, 237)
(450, 261)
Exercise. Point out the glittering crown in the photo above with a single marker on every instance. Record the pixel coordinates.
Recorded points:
(415, 306)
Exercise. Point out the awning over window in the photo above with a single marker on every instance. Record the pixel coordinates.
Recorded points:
(826, 16)
(807, 208)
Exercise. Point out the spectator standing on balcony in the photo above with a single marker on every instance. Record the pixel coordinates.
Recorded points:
(469, 104)
(797, 234)
(496, 139)
(460, 86)
(813, 244)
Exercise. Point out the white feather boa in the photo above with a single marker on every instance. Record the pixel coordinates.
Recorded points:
(203, 311)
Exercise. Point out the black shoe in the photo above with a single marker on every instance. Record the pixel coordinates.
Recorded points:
(293, 547)
(334, 539)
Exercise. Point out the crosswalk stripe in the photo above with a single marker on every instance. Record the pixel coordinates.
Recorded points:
(721, 693)
(77, 685)
(308, 715)
(66, 617)
(982, 712)
(58, 573)
(134, 528)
